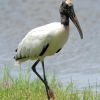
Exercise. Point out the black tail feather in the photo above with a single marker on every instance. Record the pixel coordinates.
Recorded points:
(16, 50)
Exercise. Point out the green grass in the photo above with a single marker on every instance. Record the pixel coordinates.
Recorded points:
(24, 89)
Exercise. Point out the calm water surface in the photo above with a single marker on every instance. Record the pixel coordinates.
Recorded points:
(79, 60)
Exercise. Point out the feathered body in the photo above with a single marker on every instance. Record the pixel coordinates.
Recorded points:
(54, 34)
(47, 40)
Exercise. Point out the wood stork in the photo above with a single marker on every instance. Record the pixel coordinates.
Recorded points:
(47, 40)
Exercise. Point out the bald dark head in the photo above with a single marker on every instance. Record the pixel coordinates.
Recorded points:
(66, 12)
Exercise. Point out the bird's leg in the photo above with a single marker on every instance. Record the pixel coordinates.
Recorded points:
(34, 70)
(45, 80)
(50, 93)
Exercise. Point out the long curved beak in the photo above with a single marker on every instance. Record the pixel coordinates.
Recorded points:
(74, 19)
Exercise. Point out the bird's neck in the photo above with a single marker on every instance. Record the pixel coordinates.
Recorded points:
(65, 20)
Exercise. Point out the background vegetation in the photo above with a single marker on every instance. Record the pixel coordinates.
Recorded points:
(22, 88)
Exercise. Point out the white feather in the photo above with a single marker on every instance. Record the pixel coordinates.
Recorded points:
(54, 34)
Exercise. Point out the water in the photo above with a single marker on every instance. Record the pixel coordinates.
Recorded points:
(79, 60)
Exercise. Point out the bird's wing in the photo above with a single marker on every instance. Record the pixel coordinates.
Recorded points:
(33, 45)
(36, 40)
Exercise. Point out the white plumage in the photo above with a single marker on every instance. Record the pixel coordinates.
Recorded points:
(54, 34)
(47, 40)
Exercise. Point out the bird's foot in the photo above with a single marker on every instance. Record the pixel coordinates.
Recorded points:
(51, 94)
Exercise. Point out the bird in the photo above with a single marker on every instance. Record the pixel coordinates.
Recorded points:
(47, 40)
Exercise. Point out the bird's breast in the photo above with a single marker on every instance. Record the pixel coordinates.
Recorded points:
(58, 40)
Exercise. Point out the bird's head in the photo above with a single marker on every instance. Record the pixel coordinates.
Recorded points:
(67, 11)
